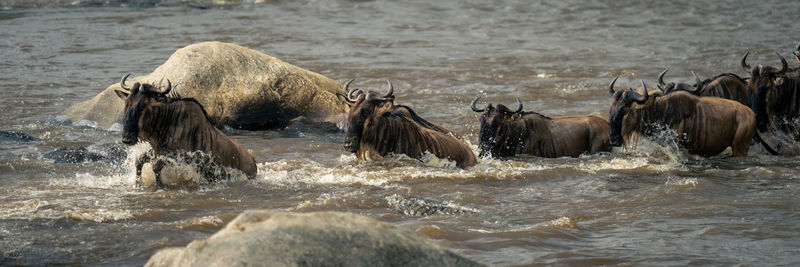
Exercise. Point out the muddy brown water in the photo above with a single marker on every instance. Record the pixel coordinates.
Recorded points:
(652, 205)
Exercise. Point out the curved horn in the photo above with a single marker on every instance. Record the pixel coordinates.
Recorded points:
(697, 79)
(744, 62)
(611, 86)
(474, 108)
(391, 90)
(520, 106)
(122, 82)
(348, 93)
(169, 88)
(784, 65)
(661, 77)
(646, 96)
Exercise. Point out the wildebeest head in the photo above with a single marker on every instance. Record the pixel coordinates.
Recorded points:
(762, 78)
(363, 106)
(490, 121)
(623, 100)
(137, 98)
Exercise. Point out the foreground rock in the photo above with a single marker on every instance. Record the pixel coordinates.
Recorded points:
(239, 87)
(309, 239)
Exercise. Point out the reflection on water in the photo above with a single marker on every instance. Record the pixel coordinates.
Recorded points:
(651, 204)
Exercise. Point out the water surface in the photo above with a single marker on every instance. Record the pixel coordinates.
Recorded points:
(653, 205)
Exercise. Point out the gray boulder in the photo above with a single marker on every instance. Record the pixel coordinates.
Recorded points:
(275, 238)
(239, 87)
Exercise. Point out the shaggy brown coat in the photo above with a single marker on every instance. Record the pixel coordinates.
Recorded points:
(377, 128)
(175, 127)
(777, 96)
(703, 125)
(725, 85)
(506, 133)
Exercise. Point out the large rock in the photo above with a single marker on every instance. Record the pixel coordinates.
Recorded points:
(276, 238)
(237, 86)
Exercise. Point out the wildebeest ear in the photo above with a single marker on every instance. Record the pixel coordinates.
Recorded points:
(778, 81)
(122, 94)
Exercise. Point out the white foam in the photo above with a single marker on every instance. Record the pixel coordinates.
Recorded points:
(205, 220)
(688, 182)
(290, 172)
(99, 215)
(89, 180)
(562, 222)
(65, 208)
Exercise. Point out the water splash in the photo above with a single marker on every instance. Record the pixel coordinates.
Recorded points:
(682, 182)
(413, 206)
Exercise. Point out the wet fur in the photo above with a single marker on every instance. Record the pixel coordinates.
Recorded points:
(776, 100)
(377, 128)
(401, 131)
(728, 86)
(538, 135)
(704, 125)
(174, 127)
(725, 85)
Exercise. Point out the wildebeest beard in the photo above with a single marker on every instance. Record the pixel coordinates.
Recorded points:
(130, 129)
(615, 135)
(486, 136)
(355, 127)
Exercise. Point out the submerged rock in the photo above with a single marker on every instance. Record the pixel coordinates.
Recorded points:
(11, 136)
(238, 87)
(414, 206)
(274, 238)
(72, 155)
(110, 153)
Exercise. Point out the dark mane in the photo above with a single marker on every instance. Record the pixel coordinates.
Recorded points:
(732, 75)
(167, 100)
(401, 131)
(663, 112)
(416, 118)
(536, 113)
(504, 109)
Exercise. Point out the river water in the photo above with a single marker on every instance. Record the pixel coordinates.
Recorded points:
(648, 205)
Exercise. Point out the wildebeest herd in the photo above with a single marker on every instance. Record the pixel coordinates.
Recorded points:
(705, 118)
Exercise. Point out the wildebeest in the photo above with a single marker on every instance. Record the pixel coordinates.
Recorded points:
(376, 127)
(777, 100)
(703, 125)
(725, 85)
(177, 128)
(504, 133)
